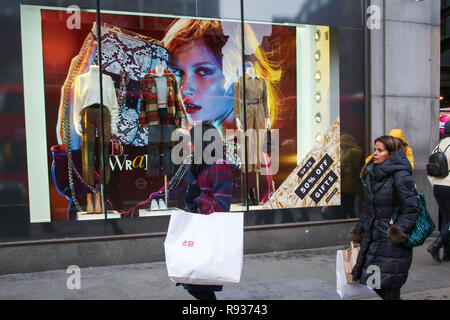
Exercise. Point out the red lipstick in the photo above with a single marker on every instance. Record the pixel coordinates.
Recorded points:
(192, 108)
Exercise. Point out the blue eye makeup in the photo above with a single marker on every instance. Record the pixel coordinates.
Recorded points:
(205, 71)
(177, 72)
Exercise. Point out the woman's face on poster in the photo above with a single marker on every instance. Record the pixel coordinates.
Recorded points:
(201, 83)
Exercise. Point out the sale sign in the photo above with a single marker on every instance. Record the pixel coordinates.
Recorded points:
(315, 182)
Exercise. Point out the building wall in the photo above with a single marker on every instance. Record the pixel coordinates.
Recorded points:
(405, 74)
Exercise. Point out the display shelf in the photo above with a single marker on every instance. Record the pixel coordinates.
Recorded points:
(242, 207)
(83, 215)
(154, 213)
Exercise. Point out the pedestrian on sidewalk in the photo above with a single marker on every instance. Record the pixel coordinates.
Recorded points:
(441, 191)
(209, 187)
(387, 184)
(397, 133)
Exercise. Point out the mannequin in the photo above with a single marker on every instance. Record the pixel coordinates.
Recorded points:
(257, 114)
(159, 70)
(88, 124)
(251, 72)
(161, 111)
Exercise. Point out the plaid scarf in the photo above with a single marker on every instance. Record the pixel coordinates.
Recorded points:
(215, 183)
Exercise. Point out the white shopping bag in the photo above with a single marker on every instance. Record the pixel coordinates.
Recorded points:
(344, 289)
(205, 249)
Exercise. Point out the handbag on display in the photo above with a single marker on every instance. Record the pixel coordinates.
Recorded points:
(205, 249)
(65, 185)
(115, 147)
(424, 224)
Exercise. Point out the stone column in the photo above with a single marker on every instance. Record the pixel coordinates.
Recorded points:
(405, 79)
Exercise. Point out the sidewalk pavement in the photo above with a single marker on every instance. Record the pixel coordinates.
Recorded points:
(293, 275)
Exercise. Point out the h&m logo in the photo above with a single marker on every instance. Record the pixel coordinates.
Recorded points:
(187, 243)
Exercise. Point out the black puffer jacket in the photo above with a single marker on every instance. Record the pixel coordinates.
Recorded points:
(386, 186)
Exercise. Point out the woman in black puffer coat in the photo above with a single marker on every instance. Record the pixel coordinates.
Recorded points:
(388, 184)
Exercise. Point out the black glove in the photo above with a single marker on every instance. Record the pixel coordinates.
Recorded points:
(397, 236)
(355, 235)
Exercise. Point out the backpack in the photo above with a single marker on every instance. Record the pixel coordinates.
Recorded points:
(437, 165)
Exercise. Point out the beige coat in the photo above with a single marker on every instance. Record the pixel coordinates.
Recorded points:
(257, 110)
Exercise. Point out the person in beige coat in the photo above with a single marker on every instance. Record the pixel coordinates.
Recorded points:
(441, 191)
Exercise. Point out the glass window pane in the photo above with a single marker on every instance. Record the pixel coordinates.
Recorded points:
(295, 84)
(51, 179)
(173, 75)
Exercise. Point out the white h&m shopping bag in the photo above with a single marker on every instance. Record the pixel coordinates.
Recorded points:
(345, 289)
(205, 249)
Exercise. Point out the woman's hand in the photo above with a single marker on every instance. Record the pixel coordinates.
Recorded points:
(355, 235)
(397, 236)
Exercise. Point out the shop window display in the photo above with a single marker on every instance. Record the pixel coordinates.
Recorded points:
(162, 76)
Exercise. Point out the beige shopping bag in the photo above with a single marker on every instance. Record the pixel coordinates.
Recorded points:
(349, 257)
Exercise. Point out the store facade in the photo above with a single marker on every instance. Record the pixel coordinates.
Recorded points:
(298, 68)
